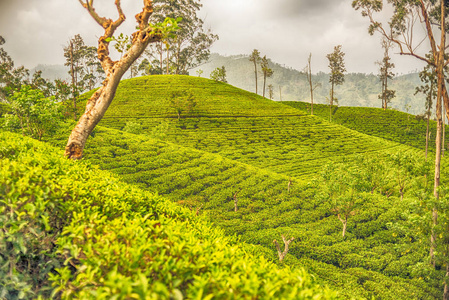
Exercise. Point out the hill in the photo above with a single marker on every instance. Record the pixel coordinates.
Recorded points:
(220, 157)
(360, 90)
(75, 232)
(237, 125)
(52, 72)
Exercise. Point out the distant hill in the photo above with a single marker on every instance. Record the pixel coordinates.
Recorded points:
(358, 90)
(52, 72)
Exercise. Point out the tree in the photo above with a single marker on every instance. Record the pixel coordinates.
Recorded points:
(11, 79)
(312, 85)
(429, 78)
(190, 46)
(287, 243)
(182, 102)
(73, 54)
(255, 58)
(219, 74)
(35, 113)
(92, 72)
(337, 77)
(432, 15)
(84, 68)
(40, 83)
(149, 68)
(267, 72)
(385, 74)
(99, 101)
(270, 91)
(341, 192)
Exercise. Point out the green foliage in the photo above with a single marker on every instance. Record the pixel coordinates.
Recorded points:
(182, 102)
(190, 45)
(267, 210)
(72, 231)
(33, 113)
(341, 191)
(133, 127)
(337, 77)
(219, 74)
(10, 78)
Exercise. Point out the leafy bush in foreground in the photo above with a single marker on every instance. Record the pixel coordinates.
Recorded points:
(88, 236)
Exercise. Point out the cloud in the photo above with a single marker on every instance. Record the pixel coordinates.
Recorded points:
(285, 30)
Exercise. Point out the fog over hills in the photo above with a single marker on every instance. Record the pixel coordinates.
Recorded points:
(358, 90)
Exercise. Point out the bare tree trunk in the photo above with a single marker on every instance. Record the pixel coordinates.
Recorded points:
(386, 89)
(264, 81)
(99, 102)
(444, 132)
(440, 76)
(309, 77)
(280, 93)
(161, 60)
(168, 61)
(235, 201)
(255, 72)
(331, 102)
(427, 134)
(286, 245)
(344, 222)
(72, 74)
(289, 184)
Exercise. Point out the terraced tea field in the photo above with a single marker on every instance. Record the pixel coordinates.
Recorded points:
(390, 125)
(210, 183)
(257, 131)
(264, 159)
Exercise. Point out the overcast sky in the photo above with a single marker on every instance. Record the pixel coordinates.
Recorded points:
(284, 30)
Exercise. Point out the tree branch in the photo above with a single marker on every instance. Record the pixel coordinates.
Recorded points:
(286, 244)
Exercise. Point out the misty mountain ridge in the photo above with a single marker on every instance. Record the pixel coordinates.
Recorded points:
(359, 89)
(52, 72)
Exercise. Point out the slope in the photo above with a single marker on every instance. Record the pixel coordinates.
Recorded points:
(247, 157)
(71, 231)
(238, 125)
(369, 259)
(387, 124)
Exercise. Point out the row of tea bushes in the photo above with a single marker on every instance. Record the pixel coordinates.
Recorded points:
(266, 209)
(390, 124)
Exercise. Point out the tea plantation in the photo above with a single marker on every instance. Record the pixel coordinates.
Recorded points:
(256, 168)
(72, 231)
(390, 124)
(237, 125)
